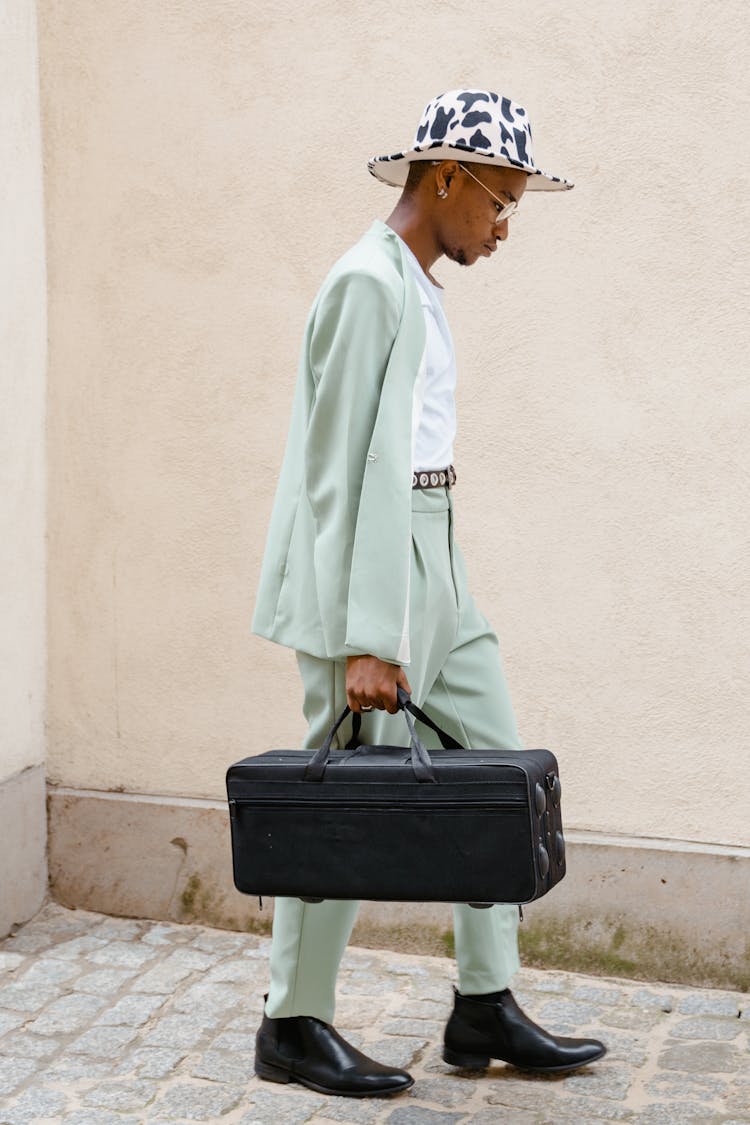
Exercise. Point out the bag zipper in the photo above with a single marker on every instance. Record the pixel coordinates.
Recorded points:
(390, 805)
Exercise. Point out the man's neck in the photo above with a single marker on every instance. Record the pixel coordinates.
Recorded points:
(409, 225)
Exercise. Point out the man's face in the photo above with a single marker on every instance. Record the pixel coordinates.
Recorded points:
(469, 227)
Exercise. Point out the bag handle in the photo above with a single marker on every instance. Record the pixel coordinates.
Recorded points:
(420, 759)
(405, 702)
(447, 741)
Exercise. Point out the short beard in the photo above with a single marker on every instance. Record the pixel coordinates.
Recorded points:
(456, 256)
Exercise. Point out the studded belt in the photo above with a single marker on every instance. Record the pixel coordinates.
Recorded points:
(434, 478)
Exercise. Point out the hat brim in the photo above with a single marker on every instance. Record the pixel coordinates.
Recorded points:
(394, 169)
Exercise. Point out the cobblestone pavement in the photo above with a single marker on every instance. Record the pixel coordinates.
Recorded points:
(108, 1021)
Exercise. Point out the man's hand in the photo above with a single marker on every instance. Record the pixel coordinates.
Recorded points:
(371, 682)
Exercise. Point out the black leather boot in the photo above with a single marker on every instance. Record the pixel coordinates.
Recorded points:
(481, 1028)
(307, 1050)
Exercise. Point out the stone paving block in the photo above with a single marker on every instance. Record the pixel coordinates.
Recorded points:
(68, 1014)
(645, 998)
(239, 971)
(451, 1092)
(196, 1102)
(673, 1113)
(259, 952)
(206, 998)
(179, 1031)
(155, 1062)
(50, 970)
(173, 970)
(490, 1117)
(102, 1042)
(558, 1117)
(639, 1019)
(394, 1051)
(104, 981)
(249, 1018)
(27, 1046)
(194, 959)
(240, 1041)
(221, 942)
(601, 1080)
(69, 1068)
(27, 943)
(33, 1104)
(699, 1087)
(568, 1014)
(354, 960)
(418, 1115)
(14, 1071)
(9, 1021)
(501, 1080)
(119, 1096)
(737, 1098)
(582, 1109)
(710, 1003)
(701, 1058)
(357, 1013)
(60, 920)
(429, 1029)
(77, 947)
(161, 934)
(20, 997)
(414, 972)
(121, 929)
(439, 991)
(547, 982)
(706, 1028)
(504, 1086)
(423, 1010)
(223, 1066)
(288, 1105)
(594, 995)
(368, 984)
(353, 1111)
(624, 1047)
(123, 955)
(131, 1011)
(9, 962)
(99, 1117)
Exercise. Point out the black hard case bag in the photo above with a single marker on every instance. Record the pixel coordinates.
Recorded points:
(397, 824)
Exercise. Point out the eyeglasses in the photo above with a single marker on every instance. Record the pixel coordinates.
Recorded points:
(505, 210)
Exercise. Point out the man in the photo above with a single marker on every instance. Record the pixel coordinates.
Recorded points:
(362, 577)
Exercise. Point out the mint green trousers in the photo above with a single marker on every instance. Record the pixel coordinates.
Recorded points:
(456, 676)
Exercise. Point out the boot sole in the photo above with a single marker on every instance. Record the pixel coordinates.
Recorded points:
(272, 1073)
(481, 1062)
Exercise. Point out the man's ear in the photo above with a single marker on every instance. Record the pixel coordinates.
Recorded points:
(446, 171)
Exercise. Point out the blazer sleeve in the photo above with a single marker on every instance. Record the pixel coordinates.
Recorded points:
(356, 323)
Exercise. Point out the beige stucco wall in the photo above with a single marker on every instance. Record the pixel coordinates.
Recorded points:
(22, 483)
(204, 170)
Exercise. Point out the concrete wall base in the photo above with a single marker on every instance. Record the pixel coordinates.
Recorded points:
(23, 847)
(650, 909)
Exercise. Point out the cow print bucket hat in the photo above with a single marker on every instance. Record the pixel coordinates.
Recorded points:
(477, 125)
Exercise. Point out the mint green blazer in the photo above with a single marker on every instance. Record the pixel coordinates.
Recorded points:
(335, 575)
